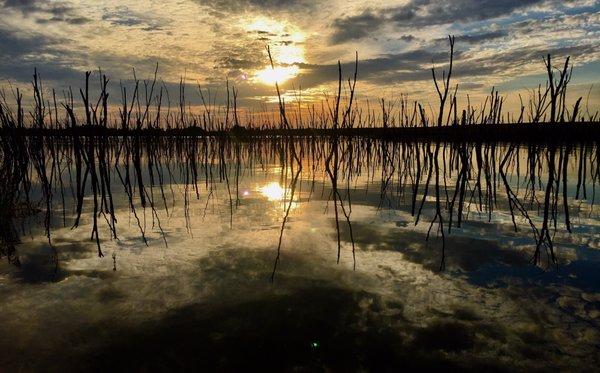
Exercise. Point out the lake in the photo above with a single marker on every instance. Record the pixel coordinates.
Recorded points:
(297, 254)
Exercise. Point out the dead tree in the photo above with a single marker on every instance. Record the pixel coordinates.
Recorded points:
(558, 87)
(443, 92)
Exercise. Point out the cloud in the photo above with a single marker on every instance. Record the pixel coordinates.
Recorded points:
(419, 13)
(481, 37)
(356, 27)
(72, 20)
(411, 63)
(123, 16)
(407, 38)
(495, 44)
(435, 12)
(26, 6)
(47, 11)
(245, 5)
(22, 53)
(56, 61)
(414, 66)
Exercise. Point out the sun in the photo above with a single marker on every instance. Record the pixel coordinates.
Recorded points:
(279, 74)
(286, 42)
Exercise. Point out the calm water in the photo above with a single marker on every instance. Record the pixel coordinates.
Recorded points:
(303, 255)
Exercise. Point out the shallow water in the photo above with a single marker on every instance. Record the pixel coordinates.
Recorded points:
(298, 255)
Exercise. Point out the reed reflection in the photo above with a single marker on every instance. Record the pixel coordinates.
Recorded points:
(540, 188)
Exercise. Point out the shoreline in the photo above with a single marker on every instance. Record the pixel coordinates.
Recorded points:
(522, 132)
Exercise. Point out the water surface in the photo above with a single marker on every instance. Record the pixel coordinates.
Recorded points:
(305, 254)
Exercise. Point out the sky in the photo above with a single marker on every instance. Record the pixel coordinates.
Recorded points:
(498, 43)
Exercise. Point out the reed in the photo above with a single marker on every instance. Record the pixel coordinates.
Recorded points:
(141, 112)
(439, 165)
(441, 184)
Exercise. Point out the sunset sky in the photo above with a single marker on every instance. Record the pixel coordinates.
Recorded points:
(498, 43)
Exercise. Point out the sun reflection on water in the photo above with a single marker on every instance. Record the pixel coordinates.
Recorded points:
(273, 191)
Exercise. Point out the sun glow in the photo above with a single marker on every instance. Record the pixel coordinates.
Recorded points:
(266, 25)
(289, 54)
(286, 43)
(277, 75)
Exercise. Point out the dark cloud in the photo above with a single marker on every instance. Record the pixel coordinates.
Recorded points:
(72, 21)
(471, 86)
(22, 53)
(419, 13)
(482, 37)
(47, 11)
(500, 64)
(269, 3)
(236, 63)
(407, 38)
(375, 68)
(434, 12)
(558, 24)
(231, 57)
(268, 6)
(26, 6)
(123, 16)
(356, 27)
(415, 65)
(475, 38)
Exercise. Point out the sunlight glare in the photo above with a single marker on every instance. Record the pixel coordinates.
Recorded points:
(287, 49)
(289, 54)
(278, 75)
(263, 24)
(273, 191)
